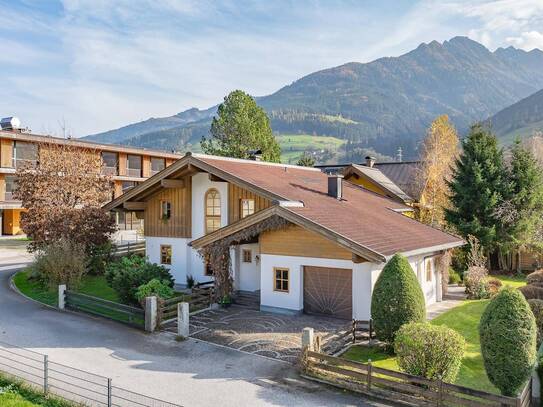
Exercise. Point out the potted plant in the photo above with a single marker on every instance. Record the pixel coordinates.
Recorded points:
(225, 301)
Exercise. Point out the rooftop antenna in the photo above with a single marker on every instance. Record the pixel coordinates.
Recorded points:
(399, 156)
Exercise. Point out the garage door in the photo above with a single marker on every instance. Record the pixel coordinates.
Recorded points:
(328, 291)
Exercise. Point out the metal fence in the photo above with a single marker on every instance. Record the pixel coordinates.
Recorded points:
(68, 382)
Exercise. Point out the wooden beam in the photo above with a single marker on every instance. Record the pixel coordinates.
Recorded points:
(135, 206)
(172, 183)
(358, 259)
(214, 178)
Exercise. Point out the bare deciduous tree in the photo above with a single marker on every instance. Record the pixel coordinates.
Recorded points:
(63, 193)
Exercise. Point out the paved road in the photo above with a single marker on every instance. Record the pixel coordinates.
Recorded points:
(190, 373)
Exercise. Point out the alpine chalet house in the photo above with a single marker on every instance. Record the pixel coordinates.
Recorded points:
(300, 240)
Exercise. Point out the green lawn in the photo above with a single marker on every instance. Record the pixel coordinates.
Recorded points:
(90, 285)
(14, 394)
(294, 145)
(513, 281)
(465, 320)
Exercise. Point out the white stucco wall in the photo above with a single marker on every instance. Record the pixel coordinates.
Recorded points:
(180, 250)
(429, 288)
(249, 273)
(293, 300)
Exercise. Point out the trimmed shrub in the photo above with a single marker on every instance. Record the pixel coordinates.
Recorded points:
(537, 309)
(493, 286)
(397, 299)
(129, 273)
(155, 287)
(532, 292)
(430, 351)
(454, 277)
(508, 335)
(535, 278)
(59, 262)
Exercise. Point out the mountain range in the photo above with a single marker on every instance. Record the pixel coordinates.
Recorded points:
(380, 105)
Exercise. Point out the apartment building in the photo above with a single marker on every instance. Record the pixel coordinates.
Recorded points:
(127, 166)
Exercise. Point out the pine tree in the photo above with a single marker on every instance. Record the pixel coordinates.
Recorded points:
(241, 126)
(306, 160)
(478, 187)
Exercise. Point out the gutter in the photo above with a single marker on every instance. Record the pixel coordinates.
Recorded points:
(431, 249)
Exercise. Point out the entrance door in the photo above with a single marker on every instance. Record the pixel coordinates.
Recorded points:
(328, 291)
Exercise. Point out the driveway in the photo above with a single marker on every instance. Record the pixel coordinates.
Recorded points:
(190, 373)
(260, 333)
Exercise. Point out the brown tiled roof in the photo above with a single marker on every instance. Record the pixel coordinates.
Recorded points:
(363, 217)
(404, 174)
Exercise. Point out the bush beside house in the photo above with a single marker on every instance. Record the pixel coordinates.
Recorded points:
(434, 352)
(397, 299)
(508, 337)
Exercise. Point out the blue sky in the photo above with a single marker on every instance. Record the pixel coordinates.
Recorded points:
(95, 65)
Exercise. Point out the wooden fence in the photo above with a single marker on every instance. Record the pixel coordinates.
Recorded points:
(402, 387)
(200, 297)
(97, 306)
(129, 248)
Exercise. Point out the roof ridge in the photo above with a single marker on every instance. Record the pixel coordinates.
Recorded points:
(247, 161)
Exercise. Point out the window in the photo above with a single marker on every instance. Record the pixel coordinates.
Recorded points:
(10, 187)
(208, 270)
(247, 256)
(212, 210)
(24, 154)
(165, 254)
(133, 165)
(428, 268)
(126, 185)
(165, 210)
(247, 207)
(110, 161)
(280, 279)
(157, 165)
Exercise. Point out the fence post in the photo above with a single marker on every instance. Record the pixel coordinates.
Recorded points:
(371, 329)
(354, 330)
(62, 296)
(183, 319)
(308, 339)
(45, 374)
(151, 308)
(109, 393)
(440, 395)
(369, 374)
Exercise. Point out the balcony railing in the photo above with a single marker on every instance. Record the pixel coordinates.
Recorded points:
(153, 172)
(109, 171)
(8, 196)
(133, 172)
(20, 163)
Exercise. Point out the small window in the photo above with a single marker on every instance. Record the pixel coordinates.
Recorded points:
(428, 270)
(247, 207)
(212, 210)
(165, 210)
(165, 254)
(247, 256)
(208, 270)
(280, 279)
(157, 165)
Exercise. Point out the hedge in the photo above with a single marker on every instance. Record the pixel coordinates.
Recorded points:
(397, 299)
(508, 334)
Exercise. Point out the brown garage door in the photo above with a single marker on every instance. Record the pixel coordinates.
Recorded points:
(328, 291)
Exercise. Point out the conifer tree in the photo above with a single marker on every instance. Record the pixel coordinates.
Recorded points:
(478, 188)
(241, 126)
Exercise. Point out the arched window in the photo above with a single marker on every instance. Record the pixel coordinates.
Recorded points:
(212, 210)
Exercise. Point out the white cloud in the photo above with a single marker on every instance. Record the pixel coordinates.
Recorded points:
(527, 40)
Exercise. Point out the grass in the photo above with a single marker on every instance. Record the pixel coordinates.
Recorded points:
(95, 286)
(465, 320)
(16, 394)
(514, 281)
(294, 145)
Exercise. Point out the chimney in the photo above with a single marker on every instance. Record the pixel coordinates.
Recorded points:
(370, 161)
(335, 186)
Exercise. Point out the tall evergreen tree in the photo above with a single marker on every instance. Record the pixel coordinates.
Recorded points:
(478, 187)
(241, 126)
(523, 212)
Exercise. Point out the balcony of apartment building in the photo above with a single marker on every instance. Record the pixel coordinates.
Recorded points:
(157, 165)
(134, 166)
(9, 188)
(24, 154)
(110, 163)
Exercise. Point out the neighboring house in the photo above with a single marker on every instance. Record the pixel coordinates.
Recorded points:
(127, 166)
(337, 238)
